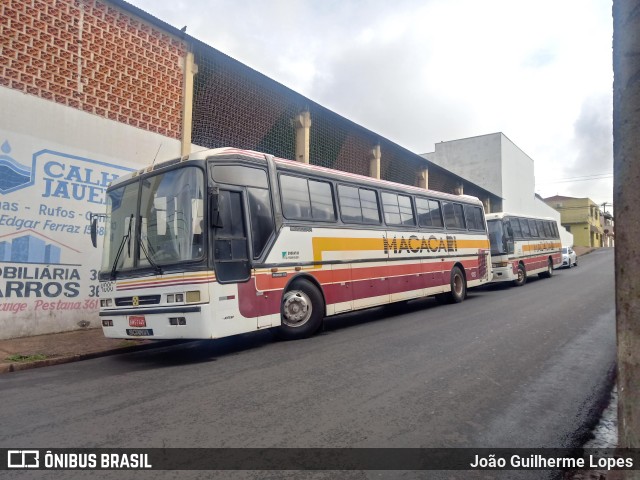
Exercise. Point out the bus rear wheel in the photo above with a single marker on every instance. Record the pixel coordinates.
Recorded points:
(301, 311)
(549, 271)
(458, 285)
(458, 288)
(522, 276)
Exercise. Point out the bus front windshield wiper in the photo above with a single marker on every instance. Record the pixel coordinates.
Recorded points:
(146, 254)
(126, 237)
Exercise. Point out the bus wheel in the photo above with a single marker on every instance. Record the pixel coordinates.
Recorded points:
(301, 311)
(458, 285)
(549, 271)
(522, 276)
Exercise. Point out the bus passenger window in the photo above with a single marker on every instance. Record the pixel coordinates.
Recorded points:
(453, 215)
(474, 217)
(321, 201)
(515, 226)
(358, 205)
(295, 198)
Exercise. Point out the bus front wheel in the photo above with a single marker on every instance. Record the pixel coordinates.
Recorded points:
(522, 276)
(301, 311)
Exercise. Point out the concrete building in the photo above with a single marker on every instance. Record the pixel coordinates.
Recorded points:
(495, 163)
(581, 217)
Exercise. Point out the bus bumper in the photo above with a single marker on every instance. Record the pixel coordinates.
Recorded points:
(156, 324)
(503, 274)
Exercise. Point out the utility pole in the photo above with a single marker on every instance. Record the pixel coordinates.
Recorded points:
(626, 197)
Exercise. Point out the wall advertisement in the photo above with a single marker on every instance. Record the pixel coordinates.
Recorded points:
(48, 267)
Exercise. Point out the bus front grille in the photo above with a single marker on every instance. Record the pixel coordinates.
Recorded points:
(142, 300)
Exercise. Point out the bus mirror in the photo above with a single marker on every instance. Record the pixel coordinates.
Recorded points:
(214, 211)
(94, 230)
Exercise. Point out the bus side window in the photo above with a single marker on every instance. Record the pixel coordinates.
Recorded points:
(321, 201)
(453, 215)
(474, 217)
(295, 198)
(515, 226)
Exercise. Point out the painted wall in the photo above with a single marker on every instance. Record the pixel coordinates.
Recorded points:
(55, 163)
(582, 216)
(476, 159)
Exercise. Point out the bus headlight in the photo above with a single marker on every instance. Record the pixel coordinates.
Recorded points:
(193, 297)
(106, 302)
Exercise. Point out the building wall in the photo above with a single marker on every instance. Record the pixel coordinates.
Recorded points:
(518, 179)
(88, 55)
(476, 159)
(88, 93)
(581, 216)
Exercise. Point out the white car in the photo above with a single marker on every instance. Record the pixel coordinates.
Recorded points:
(569, 257)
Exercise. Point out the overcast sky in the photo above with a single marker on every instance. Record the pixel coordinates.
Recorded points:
(423, 71)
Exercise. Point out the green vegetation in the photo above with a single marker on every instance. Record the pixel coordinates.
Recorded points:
(26, 358)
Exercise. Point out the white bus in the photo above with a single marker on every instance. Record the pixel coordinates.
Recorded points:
(522, 246)
(229, 241)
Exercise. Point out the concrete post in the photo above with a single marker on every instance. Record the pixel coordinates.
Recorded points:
(626, 198)
(302, 124)
(374, 162)
(459, 190)
(423, 179)
(487, 205)
(190, 69)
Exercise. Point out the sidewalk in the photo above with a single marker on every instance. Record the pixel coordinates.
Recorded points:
(53, 349)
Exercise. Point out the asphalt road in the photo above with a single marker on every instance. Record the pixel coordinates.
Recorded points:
(509, 367)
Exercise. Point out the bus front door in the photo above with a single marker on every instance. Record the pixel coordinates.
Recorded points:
(230, 245)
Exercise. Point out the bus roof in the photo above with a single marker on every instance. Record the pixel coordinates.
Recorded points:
(294, 165)
(501, 215)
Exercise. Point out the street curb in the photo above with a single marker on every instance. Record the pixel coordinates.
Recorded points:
(16, 366)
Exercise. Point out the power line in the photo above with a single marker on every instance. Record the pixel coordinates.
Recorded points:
(586, 178)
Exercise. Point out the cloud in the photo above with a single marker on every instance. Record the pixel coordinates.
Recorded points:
(423, 71)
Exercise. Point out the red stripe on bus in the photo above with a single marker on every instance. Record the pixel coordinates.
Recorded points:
(254, 303)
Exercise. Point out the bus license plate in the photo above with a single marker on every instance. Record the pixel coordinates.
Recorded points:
(140, 332)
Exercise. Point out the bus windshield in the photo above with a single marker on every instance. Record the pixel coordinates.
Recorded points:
(496, 237)
(164, 227)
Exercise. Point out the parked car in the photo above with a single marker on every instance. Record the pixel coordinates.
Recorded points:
(569, 257)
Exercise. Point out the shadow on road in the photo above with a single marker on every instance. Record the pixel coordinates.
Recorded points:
(183, 352)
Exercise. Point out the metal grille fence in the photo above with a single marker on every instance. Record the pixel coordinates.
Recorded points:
(235, 106)
(238, 107)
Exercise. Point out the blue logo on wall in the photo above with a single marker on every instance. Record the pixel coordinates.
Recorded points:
(33, 248)
(13, 176)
